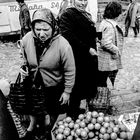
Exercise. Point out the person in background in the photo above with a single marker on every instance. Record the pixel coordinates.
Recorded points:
(131, 18)
(111, 45)
(49, 60)
(24, 18)
(63, 6)
(92, 8)
(76, 25)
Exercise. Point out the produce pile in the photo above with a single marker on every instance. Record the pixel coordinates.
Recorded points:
(91, 126)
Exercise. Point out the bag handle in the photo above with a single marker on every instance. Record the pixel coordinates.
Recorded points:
(18, 78)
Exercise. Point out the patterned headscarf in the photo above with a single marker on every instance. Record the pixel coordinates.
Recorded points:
(47, 16)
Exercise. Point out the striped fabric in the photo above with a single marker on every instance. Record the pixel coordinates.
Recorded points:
(17, 121)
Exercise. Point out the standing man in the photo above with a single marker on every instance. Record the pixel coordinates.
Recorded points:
(24, 18)
(131, 18)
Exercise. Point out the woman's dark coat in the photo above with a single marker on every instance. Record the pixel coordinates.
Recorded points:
(80, 31)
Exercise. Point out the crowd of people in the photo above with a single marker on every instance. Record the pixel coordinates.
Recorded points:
(68, 59)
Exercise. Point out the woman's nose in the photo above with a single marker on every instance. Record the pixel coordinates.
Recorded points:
(41, 33)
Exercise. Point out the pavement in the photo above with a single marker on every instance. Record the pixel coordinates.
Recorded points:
(126, 95)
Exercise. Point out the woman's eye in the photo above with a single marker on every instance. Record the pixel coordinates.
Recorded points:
(38, 29)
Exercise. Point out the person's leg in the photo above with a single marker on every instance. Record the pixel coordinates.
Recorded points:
(127, 24)
(103, 75)
(135, 31)
(52, 105)
(112, 76)
(32, 123)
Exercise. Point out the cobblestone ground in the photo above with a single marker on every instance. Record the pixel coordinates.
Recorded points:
(126, 95)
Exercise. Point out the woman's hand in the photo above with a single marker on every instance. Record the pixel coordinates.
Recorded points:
(93, 52)
(24, 72)
(64, 98)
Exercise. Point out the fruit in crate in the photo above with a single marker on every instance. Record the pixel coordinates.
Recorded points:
(91, 126)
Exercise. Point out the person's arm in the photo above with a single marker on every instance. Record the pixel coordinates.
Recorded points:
(26, 19)
(24, 67)
(68, 64)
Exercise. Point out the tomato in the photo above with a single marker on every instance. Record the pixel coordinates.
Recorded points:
(81, 116)
(70, 138)
(68, 119)
(62, 126)
(60, 130)
(106, 124)
(87, 130)
(106, 136)
(100, 119)
(107, 119)
(116, 129)
(60, 123)
(95, 114)
(102, 130)
(66, 132)
(71, 125)
(82, 124)
(90, 126)
(93, 120)
(109, 130)
(84, 133)
(76, 126)
(78, 131)
(101, 114)
(113, 136)
(97, 126)
(123, 135)
(88, 118)
(59, 136)
(122, 127)
(91, 134)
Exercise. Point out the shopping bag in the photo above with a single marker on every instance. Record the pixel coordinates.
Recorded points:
(102, 100)
(17, 96)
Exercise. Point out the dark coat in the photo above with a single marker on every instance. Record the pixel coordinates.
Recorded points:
(81, 34)
(8, 130)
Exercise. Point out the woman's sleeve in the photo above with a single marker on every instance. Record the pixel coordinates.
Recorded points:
(23, 53)
(68, 64)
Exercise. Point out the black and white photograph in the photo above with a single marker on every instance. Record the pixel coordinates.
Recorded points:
(69, 70)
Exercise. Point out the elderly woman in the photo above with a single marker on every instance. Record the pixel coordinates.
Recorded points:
(50, 66)
(77, 27)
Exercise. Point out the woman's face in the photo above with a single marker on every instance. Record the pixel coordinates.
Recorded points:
(43, 30)
(81, 4)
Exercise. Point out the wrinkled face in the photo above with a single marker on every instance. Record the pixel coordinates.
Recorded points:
(81, 4)
(43, 30)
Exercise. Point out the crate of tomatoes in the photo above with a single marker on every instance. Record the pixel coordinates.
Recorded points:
(91, 126)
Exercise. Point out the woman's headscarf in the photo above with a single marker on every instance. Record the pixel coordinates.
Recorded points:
(47, 16)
